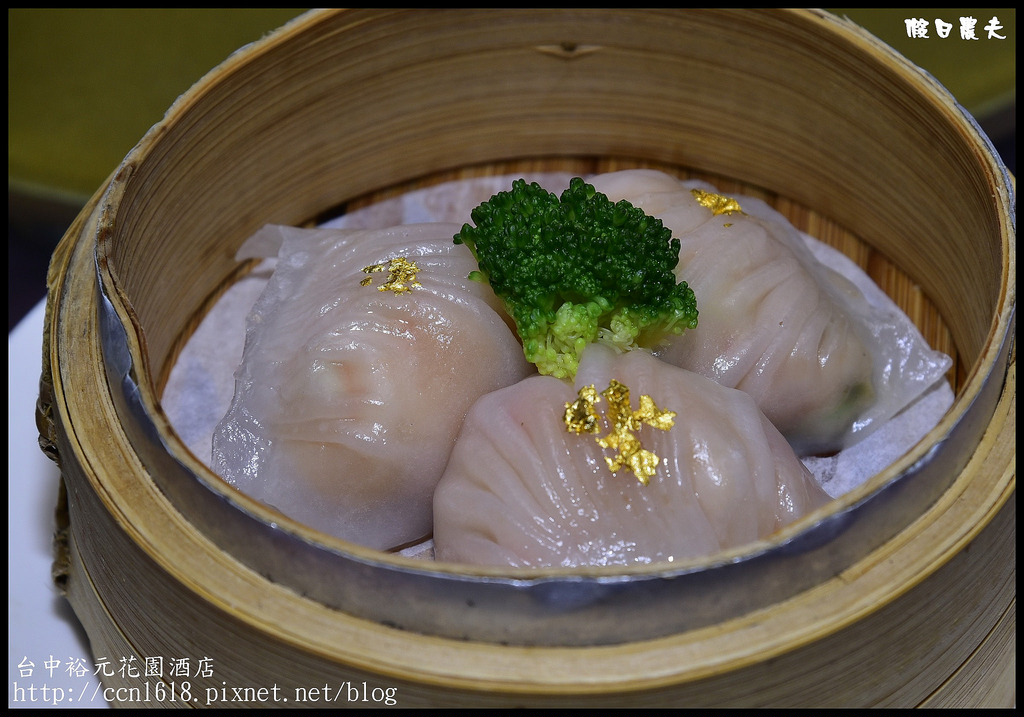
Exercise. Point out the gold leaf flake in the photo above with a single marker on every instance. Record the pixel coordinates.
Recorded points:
(653, 416)
(717, 203)
(401, 275)
(581, 417)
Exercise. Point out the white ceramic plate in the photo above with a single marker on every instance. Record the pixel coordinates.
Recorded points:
(42, 629)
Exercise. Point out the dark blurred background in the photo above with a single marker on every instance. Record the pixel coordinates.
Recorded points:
(84, 85)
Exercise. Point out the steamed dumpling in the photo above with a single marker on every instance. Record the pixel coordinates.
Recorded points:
(348, 398)
(823, 365)
(521, 490)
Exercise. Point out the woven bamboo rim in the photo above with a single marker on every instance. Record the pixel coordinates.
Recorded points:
(293, 641)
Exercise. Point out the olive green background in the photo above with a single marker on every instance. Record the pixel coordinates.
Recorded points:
(84, 85)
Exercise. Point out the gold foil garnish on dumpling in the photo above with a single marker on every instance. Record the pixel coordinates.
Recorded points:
(401, 275)
(717, 203)
(580, 416)
(624, 422)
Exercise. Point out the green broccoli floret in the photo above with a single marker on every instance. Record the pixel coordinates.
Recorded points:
(576, 270)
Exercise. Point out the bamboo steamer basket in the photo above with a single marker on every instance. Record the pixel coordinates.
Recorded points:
(901, 593)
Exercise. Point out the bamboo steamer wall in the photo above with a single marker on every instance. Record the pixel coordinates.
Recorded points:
(900, 594)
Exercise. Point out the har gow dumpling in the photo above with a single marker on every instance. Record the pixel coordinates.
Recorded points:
(521, 490)
(825, 365)
(362, 355)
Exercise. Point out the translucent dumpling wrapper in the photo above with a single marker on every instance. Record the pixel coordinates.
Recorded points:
(362, 356)
(825, 364)
(523, 490)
